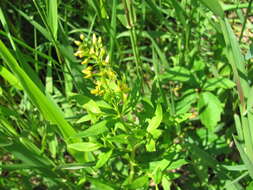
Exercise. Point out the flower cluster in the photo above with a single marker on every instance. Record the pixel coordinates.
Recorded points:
(99, 69)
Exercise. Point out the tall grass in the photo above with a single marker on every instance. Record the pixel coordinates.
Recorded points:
(167, 105)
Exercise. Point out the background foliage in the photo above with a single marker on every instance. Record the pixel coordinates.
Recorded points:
(162, 99)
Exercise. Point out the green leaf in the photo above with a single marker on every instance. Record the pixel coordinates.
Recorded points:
(177, 73)
(103, 158)
(238, 126)
(180, 12)
(157, 175)
(250, 186)
(140, 182)
(247, 161)
(85, 146)
(100, 185)
(122, 138)
(177, 164)
(75, 166)
(150, 146)
(97, 129)
(156, 120)
(53, 17)
(236, 60)
(43, 102)
(166, 183)
(249, 54)
(212, 84)
(209, 108)
(214, 6)
(233, 186)
(8, 76)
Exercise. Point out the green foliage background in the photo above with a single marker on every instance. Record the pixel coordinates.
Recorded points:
(185, 122)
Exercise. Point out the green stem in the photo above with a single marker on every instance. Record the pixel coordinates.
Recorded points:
(128, 5)
(245, 20)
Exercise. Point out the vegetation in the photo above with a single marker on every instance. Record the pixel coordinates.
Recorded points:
(126, 94)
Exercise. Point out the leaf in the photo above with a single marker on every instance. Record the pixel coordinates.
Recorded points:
(180, 12)
(177, 73)
(100, 185)
(150, 146)
(177, 164)
(75, 166)
(238, 126)
(249, 54)
(233, 186)
(43, 102)
(214, 6)
(166, 183)
(247, 161)
(139, 182)
(97, 129)
(53, 17)
(212, 84)
(85, 146)
(8, 76)
(209, 108)
(103, 158)
(236, 60)
(156, 120)
(157, 175)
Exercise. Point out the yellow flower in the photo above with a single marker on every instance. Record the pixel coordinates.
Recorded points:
(85, 61)
(88, 72)
(97, 90)
(111, 75)
(94, 39)
(82, 37)
(80, 54)
(78, 43)
(107, 59)
(92, 51)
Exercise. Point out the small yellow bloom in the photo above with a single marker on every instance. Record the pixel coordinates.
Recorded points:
(80, 54)
(94, 39)
(92, 51)
(111, 75)
(82, 37)
(99, 40)
(95, 91)
(107, 59)
(78, 43)
(86, 61)
(88, 72)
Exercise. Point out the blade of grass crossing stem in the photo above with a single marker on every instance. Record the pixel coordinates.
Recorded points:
(24, 45)
(47, 107)
(40, 28)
